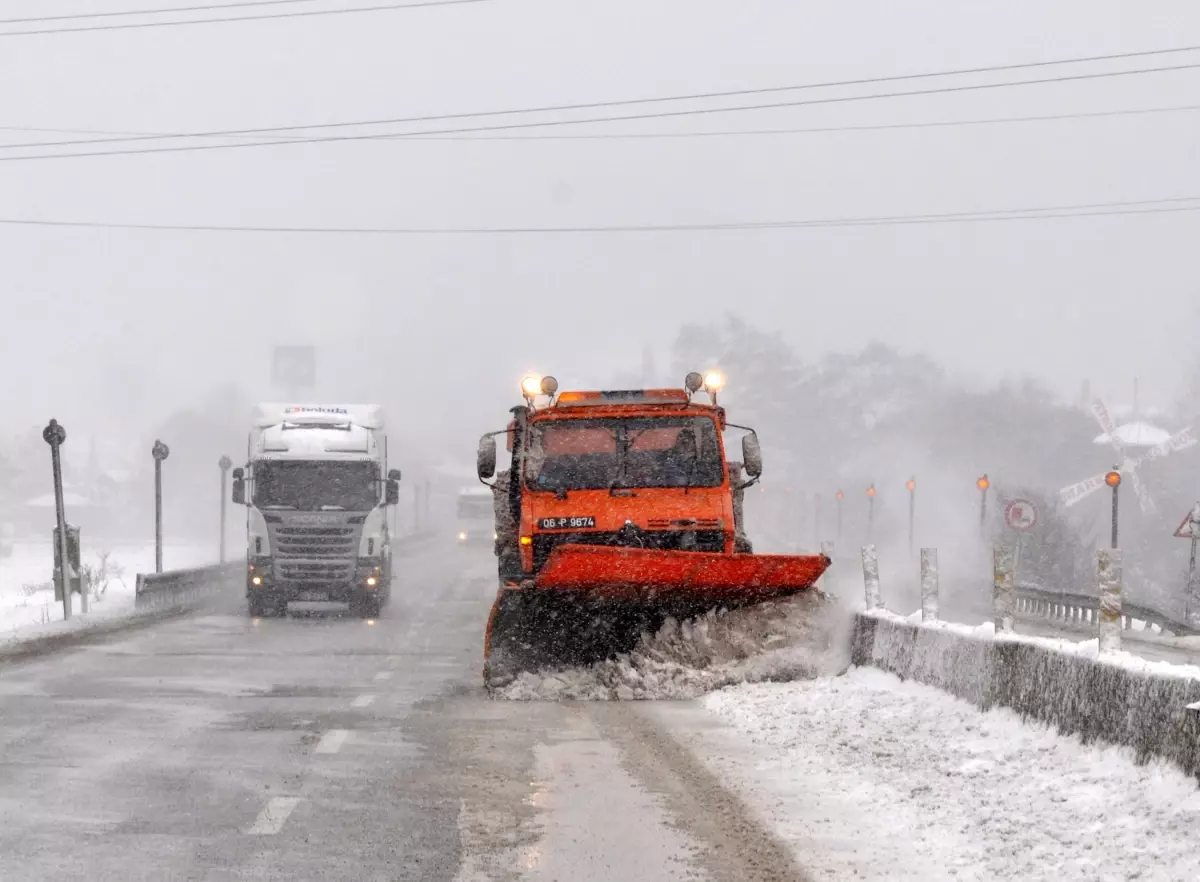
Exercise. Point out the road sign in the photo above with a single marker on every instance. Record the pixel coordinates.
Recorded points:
(1020, 514)
(294, 367)
(1189, 527)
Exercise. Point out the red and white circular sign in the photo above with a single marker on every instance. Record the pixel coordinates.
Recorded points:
(1020, 514)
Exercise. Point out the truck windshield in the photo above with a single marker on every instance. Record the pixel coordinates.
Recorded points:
(591, 454)
(475, 508)
(316, 486)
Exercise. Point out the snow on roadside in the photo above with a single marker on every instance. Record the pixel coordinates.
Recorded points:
(873, 778)
(27, 605)
(798, 638)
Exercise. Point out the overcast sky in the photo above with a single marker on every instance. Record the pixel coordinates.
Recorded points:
(108, 322)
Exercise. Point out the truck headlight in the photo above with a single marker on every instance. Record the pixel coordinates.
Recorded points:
(462, 535)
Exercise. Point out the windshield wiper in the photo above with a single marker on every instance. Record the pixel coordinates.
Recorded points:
(333, 508)
(278, 507)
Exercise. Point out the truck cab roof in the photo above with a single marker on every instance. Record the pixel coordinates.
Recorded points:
(310, 431)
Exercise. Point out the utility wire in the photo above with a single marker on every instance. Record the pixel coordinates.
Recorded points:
(643, 136)
(162, 11)
(529, 125)
(1094, 209)
(695, 96)
(228, 19)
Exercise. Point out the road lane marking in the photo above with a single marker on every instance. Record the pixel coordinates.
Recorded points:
(383, 675)
(362, 701)
(332, 741)
(272, 818)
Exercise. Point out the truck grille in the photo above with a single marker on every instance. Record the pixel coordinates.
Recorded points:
(671, 540)
(312, 542)
(315, 554)
(316, 571)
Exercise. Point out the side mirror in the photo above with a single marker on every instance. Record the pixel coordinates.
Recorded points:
(485, 458)
(752, 455)
(392, 494)
(239, 486)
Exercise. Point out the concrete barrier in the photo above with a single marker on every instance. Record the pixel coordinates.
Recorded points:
(1095, 699)
(188, 589)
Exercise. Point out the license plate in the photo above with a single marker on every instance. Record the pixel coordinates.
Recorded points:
(309, 596)
(582, 522)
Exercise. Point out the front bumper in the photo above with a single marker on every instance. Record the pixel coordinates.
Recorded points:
(370, 578)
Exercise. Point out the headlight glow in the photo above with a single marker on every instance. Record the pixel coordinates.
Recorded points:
(531, 386)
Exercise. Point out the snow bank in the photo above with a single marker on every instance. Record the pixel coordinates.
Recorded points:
(28, 609)
(802, 637)
(1124, 700)
(872, 778)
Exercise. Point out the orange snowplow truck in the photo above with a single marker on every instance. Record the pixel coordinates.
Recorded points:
(618, 510)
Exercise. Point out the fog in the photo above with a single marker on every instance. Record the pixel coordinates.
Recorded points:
(121, 333)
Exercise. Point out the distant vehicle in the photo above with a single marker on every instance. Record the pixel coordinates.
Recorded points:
(316, 488)
(476, 524)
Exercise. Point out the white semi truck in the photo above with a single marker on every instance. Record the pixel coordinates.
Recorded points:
(316, 487)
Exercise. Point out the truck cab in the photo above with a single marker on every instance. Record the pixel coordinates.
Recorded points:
(640, 468)
(316, 489)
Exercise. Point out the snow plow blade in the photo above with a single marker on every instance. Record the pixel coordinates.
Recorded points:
(589, 603)
(702, 576)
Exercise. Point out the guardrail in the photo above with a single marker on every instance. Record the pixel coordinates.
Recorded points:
(1084, 609)
(184, 589)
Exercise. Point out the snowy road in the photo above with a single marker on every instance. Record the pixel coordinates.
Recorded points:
(214, 747)
(218, 748)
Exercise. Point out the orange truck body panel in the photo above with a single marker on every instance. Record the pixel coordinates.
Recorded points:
(606, 572)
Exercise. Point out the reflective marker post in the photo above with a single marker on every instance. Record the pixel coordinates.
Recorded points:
(870, 513)
(983, 483)
(839, 496)
(224, 464)
(160, 452)
(1113, 479)
(55, 435)
(911, 485)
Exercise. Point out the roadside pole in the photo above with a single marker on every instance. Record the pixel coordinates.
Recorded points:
(55, 435)
(816, 520)
(870, 514)
(160, 452)
(911, 486)
(224, 464)
(839, 496)
(1109, 575)
(870, 562)
(1189, 528)
(1113, 479)
(983, 483)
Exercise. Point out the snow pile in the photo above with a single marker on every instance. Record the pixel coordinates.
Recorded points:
(874, 778)
(802, 637)
(1089, 649)
(27, 605)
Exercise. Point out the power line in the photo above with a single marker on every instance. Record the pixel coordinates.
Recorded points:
(162, 11)
(529, 125)
(1094, 209)
(695, 96)
(228, 19)
(640, 136)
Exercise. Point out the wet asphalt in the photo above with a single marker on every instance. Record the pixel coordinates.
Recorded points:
(219, 747)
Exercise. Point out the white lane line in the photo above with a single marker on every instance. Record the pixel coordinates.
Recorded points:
(383, 675)
(272, 818)
(332, 741)
(362, 701)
